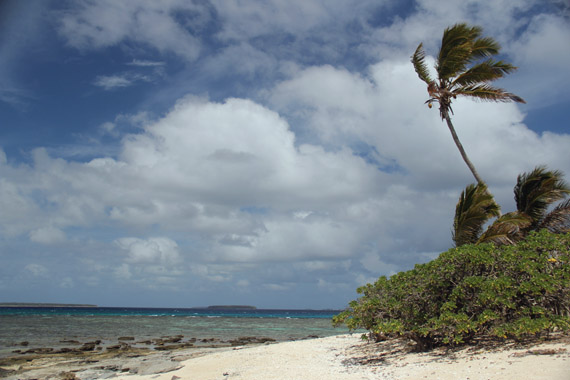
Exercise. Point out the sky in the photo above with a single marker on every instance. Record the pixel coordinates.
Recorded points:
(262, 152)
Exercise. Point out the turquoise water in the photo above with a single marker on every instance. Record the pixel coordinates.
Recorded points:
(131, 311)
(56, 327)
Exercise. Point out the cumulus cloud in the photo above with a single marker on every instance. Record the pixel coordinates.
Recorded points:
(230, 189)
(386, 110)
(542, 63)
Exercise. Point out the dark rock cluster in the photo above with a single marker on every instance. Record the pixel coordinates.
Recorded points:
(244, 340)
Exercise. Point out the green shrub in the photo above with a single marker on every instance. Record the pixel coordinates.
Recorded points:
(516, 291)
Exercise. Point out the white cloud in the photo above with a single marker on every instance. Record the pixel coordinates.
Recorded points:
(540, 44)
(18, 210)
(246, 19)
(109, 128)
(101, 24)
(227, 183)
(145, 63)
(386, 111)
(37, 270)
(149, 251)
(111, 82)
(47, 235)
(543, 75)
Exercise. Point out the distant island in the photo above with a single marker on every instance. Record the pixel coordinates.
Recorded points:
(244, 307)
(24, 304)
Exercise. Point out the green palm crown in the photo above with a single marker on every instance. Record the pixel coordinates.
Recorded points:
(465, 67)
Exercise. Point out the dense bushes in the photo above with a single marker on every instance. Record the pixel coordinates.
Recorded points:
(513, 291)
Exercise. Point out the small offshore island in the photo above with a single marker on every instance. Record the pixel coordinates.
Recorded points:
(23, 304)
(231, 307)
(27, 304)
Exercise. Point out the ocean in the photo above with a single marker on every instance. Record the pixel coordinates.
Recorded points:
(25, 328)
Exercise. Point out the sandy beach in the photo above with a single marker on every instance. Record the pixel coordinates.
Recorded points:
(347, 357)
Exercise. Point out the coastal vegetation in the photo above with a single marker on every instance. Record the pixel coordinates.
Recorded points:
(509, 291)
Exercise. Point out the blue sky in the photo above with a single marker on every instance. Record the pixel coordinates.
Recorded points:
(274, 153)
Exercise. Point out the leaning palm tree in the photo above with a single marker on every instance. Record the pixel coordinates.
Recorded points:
(464, 67)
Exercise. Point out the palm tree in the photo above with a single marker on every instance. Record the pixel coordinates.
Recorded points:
(535, 192)
(464, 67)
(475, 207)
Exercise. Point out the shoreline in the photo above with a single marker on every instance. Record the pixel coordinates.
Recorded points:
(337, 357)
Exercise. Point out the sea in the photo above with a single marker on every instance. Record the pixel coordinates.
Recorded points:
(55, 327)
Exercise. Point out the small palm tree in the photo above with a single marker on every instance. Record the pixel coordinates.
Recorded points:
(464, 67)
(535, 192)
(475, 207)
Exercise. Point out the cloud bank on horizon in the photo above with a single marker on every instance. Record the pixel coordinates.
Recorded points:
(272, 153)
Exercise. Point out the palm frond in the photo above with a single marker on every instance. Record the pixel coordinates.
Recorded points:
(537, 190)
(418, 59)
(475, 207)
(484, 47)
(487, 92)
(483, 72)
(558, 220)
(508, 229)
(456, 49)
(457, 35)
(455, 62)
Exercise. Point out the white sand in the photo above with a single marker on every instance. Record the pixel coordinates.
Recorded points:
(346, 357)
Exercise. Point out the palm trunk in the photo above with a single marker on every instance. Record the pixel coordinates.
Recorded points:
(460, 147)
